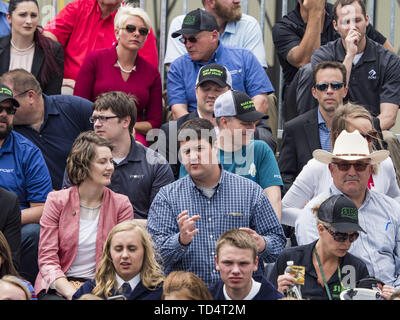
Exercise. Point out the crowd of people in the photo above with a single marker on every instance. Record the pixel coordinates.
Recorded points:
(113, 191)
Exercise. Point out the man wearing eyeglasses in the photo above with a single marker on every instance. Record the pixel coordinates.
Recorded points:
(351, 165)
(310, 131)
(51, 122)
(200, 35)
(23, 171)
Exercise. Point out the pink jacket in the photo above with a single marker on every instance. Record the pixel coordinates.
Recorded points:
(59, 231)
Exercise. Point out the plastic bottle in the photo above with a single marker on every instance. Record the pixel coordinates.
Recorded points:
(294, 290)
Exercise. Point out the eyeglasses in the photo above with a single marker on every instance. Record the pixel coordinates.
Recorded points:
(22, 93)
(9, 110)
(323, 86)
(191, 39)
(345, 166)
(102, 119)
(370, 136)
(342, 237)
(131, 28)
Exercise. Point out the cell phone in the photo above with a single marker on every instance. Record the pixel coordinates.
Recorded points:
(118, 297)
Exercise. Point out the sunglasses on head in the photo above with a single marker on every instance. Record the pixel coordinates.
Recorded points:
(342, 237)
(131, 28)
(9, 110)
(323, 86)
(191, 39)
(345, 166)
(370, 136)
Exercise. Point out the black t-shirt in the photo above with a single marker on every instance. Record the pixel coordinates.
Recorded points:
(289, 31)
(302, 256)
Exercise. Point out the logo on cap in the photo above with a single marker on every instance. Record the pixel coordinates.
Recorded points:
(6, 91)
(190, 20)
(350, 213)
(212, 72)
(247, 104)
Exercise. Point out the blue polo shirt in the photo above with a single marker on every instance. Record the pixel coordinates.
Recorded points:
(23, 170)
(5, 27)
(247, 75)
(65, 117)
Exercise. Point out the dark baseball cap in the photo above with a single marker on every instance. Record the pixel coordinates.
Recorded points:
(341, 213)
(216, 73)
(196, 21)
(237, 104)
(6, 93)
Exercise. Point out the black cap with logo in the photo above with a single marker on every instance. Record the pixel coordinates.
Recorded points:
(341, 213)
(6, 93)
(196, 21)
(216, 73)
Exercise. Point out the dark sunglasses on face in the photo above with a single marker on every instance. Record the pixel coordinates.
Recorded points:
(345, 166)
(131, 28)
(9, 110)
(323, 86)
(191, 39)
(342, 237)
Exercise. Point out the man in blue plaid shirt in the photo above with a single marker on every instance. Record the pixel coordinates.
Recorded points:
(188, 216)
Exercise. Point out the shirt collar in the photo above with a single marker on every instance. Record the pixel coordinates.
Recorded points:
(133, 282)
(368, 56)
(320, 118)
(135, 154)
(334, 190)
(231, 27)
(8, 144)
(221, 179)
(49, 108)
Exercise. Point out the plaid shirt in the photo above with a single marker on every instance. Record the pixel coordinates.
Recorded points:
(237, 202)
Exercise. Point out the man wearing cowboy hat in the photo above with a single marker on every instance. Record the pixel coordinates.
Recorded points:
(351, 164)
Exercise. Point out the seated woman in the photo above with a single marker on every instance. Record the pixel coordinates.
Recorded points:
(7, 266)
(326, 260)
(128, 266)
(76, 221)
(121, 68)
(182, 285)
(28, 49)
(315, 178)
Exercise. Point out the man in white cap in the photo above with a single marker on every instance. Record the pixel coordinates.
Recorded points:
(351, 165)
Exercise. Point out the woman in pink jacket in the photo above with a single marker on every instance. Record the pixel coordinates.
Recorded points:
(76, 221)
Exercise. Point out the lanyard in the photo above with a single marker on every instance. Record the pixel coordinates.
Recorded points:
(323, 276)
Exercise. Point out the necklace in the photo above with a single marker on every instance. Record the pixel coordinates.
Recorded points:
(126, 71)
(21, 50)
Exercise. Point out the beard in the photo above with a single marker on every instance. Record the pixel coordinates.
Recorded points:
(5, 132)
(230, 15)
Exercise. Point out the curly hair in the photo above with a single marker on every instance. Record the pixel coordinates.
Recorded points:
(151, 272)
(82, 153)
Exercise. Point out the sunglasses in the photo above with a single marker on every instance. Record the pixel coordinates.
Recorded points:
(8, 110)
(370, 136)
(323, 86)
(131, 28)
(102, 119)
(345, 166)
(342, 237)
(191, 39)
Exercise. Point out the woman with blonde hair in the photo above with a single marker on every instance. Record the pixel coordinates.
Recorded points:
(128, 266)
(315, 178)
(182, 285)
(121, 68)
(76, 221)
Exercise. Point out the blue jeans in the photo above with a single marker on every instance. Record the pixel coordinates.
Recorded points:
(29, 251)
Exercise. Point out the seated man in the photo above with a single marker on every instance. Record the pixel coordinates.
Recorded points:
(351, 165)
(212, 81)
(200, 34)
(51, 122)
(238, 153)
(189, 215)
(311, 130)
(139, 172)
(23, 171)
(236, 259)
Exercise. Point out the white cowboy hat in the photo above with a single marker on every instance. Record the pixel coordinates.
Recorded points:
(350, 146)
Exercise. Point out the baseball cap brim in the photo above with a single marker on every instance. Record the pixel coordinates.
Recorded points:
(251, 116)
(14, 102)
(347, 227)
(184, 31)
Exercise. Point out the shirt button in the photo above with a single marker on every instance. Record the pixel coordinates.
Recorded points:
(211, 236)
(208, 201)
(212, 253)
(209, 219)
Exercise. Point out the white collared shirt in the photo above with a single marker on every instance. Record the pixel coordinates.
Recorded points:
(133, 282)
(255, 288)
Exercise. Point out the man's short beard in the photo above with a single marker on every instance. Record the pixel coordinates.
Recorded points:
(235, 14)
(4, 134)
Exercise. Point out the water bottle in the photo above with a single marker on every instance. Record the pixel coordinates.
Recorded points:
(294, 290)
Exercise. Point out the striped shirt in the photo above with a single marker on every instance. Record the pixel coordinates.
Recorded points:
(237, 202)
(324, 133)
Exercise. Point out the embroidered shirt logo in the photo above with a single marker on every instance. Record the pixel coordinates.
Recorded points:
(372, 74)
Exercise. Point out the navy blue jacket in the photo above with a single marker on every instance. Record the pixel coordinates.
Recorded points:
(267, 290)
